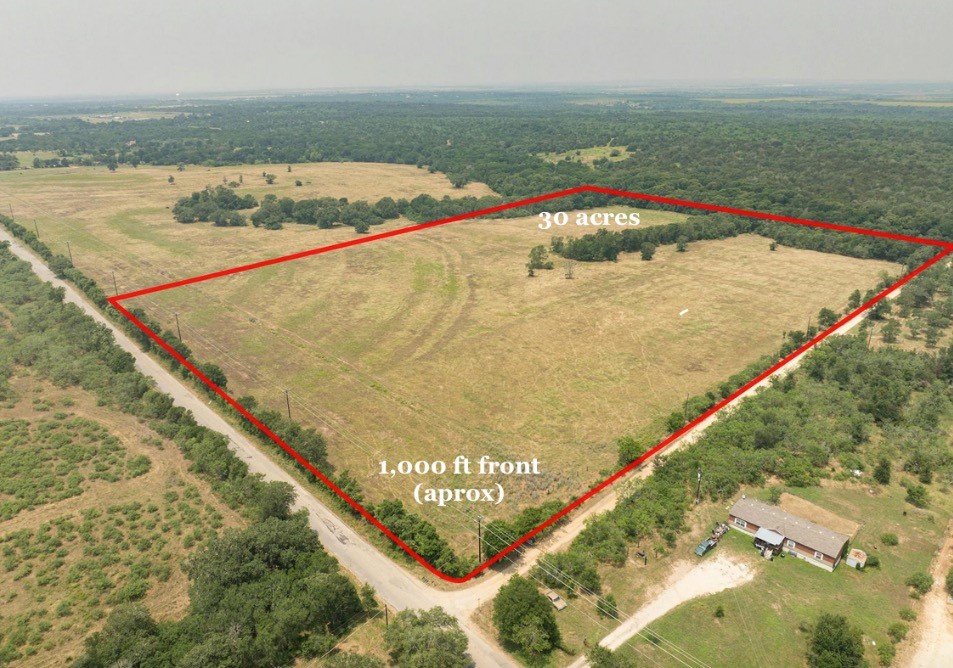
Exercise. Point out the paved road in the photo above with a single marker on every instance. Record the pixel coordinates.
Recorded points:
(394, 585)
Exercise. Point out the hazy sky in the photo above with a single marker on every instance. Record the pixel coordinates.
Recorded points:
(101, 47)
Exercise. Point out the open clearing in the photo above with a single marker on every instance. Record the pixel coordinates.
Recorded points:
(436, 344)
(588, 155)
(68, 562)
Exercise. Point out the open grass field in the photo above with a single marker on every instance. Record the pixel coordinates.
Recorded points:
(437, 344)
(112, 512)
(763, 619)
(122, 221)
(588, 155)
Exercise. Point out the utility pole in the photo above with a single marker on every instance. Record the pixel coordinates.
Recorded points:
(479, 521)
(36, 228)
(70, 251)
(115, 285)
(698, 487)
(288, 403)
(386, 616)
(178, 329)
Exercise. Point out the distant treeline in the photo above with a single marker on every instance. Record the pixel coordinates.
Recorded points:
(877, 167)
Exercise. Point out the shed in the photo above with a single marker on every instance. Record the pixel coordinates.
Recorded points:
(856, 558)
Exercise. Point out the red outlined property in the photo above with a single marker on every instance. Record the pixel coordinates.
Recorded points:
(945, 248)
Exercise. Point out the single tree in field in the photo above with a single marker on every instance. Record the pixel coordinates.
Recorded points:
(181, 167)
(826, 318)
(171, 180)
(270, 178)
(681, 244)
(854, 300)
(289, 169)
(835, 644)
(773, 246)
(538, 258)
(629, 450)
(524, 617)
(648, 251)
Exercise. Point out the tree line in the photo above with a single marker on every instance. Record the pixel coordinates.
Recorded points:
(214, 454)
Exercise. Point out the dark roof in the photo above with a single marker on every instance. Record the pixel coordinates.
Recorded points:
(807, 533)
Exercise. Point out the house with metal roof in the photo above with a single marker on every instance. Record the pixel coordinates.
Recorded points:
(776, 530)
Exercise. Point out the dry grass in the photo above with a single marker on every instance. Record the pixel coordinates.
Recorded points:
(122, 221)
(169, 472)
(588, 155)
(436, 344)
(804, 508)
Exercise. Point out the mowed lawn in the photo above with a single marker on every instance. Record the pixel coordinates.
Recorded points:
(763, 619)
(435, 344)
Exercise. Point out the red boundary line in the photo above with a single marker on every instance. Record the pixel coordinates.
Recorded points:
(946, 247)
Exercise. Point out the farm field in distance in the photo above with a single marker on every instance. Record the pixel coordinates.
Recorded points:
(436, 344)
(122, 221)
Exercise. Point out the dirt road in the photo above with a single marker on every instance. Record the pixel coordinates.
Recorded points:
(395, 585)
(934, 643)
(684, 584)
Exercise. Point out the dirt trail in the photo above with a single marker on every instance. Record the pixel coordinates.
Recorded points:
(934, 643)
(708, 577)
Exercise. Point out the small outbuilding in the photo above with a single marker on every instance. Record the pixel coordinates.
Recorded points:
(856, 558)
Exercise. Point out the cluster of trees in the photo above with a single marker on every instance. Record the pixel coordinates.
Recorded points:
(8, 162)
(421, 536)
(324, 212)
(220, 205)
(500, 534)
(524, 618)
(802, 428)
(257, 597)
(606, 245)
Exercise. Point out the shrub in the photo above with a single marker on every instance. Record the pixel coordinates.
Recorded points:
(720, 611)
(920, 582)
(897, 631)
(917, 496)
(886, 653)
(890, 539)
(907, 614)
(607, 607)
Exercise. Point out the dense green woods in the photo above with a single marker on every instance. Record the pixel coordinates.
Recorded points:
(863, 165)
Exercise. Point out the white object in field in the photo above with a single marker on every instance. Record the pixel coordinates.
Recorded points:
(683, 312)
